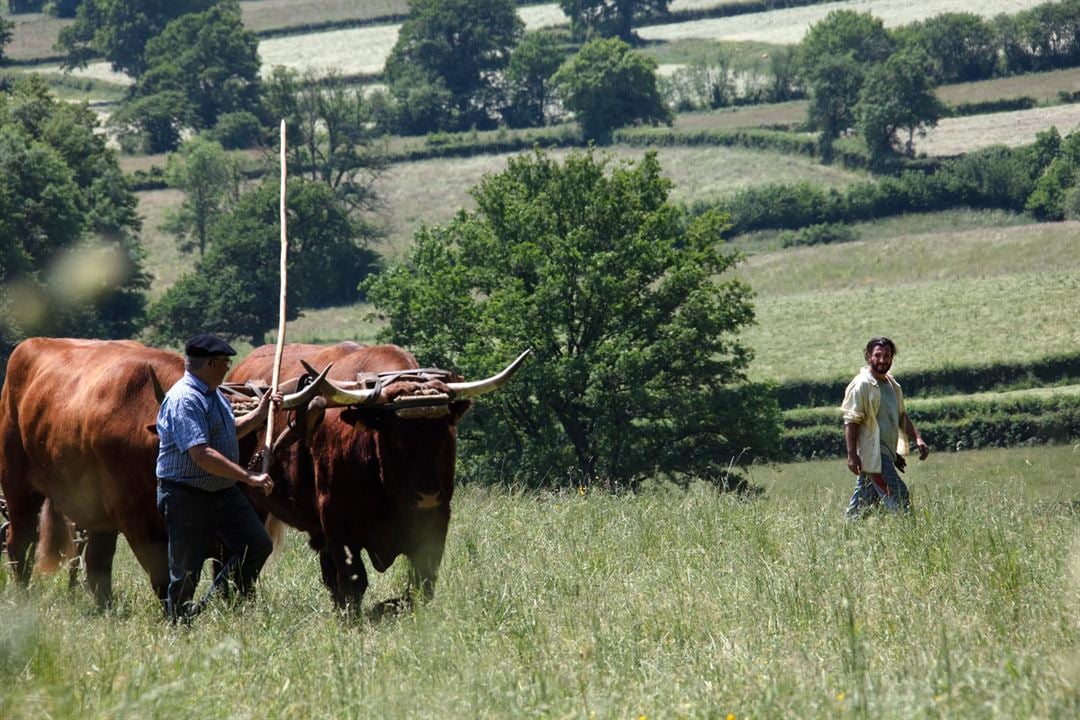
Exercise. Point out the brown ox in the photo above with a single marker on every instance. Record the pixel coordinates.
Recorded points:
(77, 429)
(364, 473)
(74, 417)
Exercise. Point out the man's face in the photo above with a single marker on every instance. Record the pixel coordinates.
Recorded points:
(221, 364)
(880, 360)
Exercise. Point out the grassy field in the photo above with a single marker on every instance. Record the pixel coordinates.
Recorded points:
(954, 136)
(788, 25)
(665, 604)
(432, 191)
(1008, 294)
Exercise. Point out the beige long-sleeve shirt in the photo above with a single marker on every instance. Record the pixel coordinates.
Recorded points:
(862, 398)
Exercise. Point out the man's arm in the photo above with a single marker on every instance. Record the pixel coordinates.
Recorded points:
(851, 438)
(215, 463)
(909, 428)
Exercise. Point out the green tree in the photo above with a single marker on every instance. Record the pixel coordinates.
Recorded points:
(209, 58)
(120, 29)
(528, 80)
(209, 178)
(7, 32)
(331, 138)
(611, 18)
(153, 123)
(63, 8)
(609, 85)
(637, 367)
(860, 36)
(962, 46)
(896, 95)
(70, 263)
(834, 56)
(1048, 198)
(446, 61)
(234, 288)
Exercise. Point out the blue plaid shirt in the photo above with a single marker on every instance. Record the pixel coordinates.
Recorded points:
(192, 415)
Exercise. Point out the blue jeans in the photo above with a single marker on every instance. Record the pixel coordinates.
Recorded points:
(885, 488)
(193, 519)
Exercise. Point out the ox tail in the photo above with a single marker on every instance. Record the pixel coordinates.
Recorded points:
(275, 528)
(55, 541)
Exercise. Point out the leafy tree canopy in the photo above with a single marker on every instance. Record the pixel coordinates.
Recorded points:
(209, 178)
(7, 32)
(844, 33)
(529, 91)
(120, 29)
(637, 366)
(454, 47)
(898, 94)
(210, 58)
(331, 136)
(611, 18)
(609, 85)
(962, 46)
(234, 288)
(69, 260)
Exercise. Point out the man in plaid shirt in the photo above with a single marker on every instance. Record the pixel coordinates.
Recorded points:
(197, 470)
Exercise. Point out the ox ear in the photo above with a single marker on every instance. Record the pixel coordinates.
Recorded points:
(152, 428)
(457, 409)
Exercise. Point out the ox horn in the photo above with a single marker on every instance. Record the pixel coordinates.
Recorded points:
(475, 388)
(304, 396)
(339, 396)
(159, 392)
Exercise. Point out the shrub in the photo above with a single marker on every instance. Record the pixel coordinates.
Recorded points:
(237, 130)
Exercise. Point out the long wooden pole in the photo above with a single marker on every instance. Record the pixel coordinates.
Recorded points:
(268, 442)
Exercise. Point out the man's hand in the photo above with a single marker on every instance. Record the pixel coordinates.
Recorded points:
(900, 463)
(924, 449)
(260, 481)
(263, 407)
(854, 463)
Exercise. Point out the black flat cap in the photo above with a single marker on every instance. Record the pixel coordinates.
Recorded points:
(207, 345)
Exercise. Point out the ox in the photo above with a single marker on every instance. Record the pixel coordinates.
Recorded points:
(368, 468)
(77, 438)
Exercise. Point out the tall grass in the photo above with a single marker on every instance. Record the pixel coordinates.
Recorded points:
(664, 604)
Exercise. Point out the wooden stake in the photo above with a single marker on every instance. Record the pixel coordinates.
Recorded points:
(269, 440)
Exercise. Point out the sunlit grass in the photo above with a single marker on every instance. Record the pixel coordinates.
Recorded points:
(665, 604)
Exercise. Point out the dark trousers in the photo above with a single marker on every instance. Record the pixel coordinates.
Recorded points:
(193, 519)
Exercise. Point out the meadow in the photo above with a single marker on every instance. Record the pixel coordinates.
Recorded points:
(955, 136)
(668, 603)
(949, 297)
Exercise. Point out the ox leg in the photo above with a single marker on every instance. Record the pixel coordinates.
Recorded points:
(98, 558)
(150, 546)
(427, 557)
(344, 574)
(24, 508)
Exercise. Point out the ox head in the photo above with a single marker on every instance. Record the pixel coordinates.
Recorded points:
(412, 417)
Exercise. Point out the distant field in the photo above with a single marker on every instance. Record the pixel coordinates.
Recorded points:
(954, 136)
(262, 15)
(788, 113)
(34, 37)
(899, 226)
(350, 52)
(163, 258)
(1042, 87)
(788, 25)
(433, 190)
(1011, 294)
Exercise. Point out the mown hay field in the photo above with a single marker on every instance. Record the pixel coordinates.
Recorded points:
(660, 604)
(960, 298)
(955, 136)
(788, 25)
